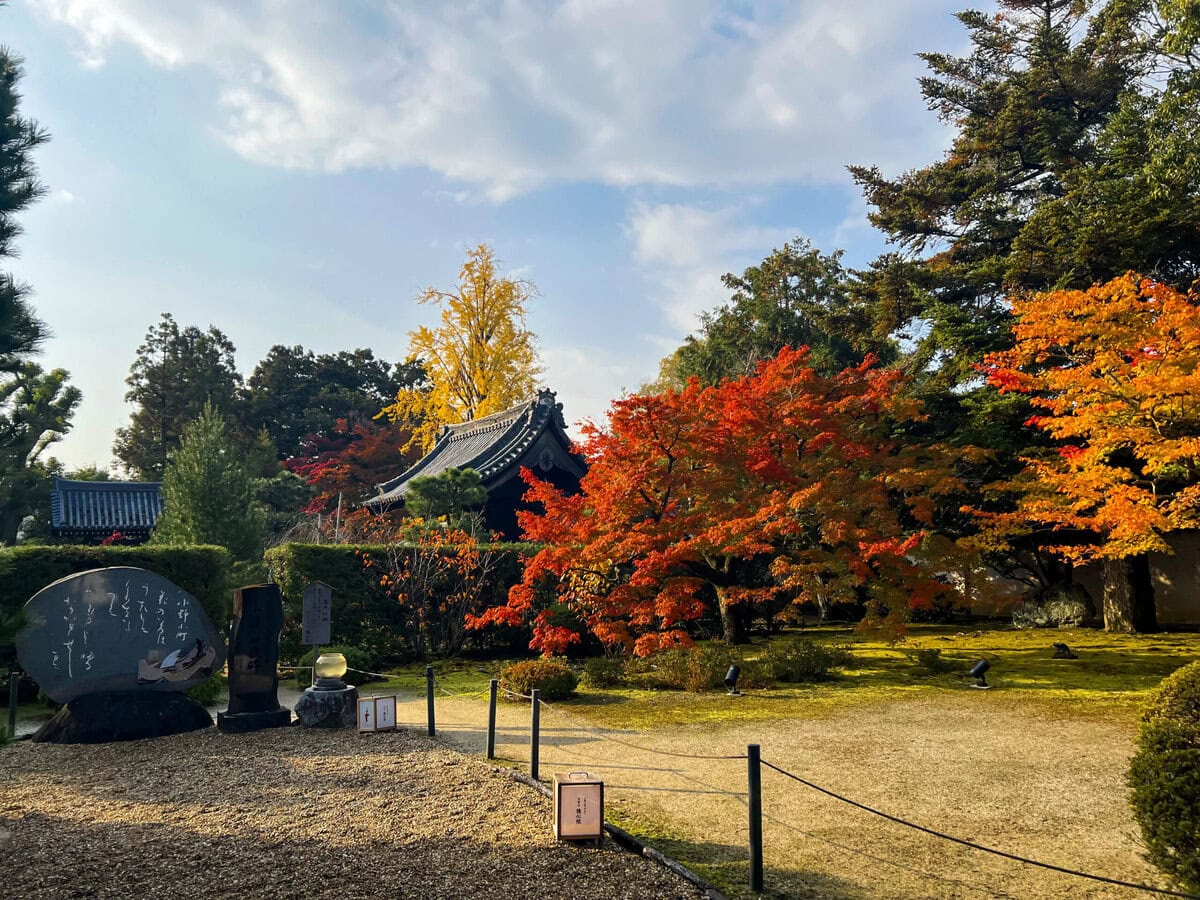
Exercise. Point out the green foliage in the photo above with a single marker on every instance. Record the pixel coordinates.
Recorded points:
(293, 393)
(208, 496)
(35, 411)
(696, 669)
(21, 333)
(801, 659)
(202, 571)
(208, 692)
(356, 659)
(1055, 612)
(1165, 778)
(450, 494)
(604, 671)
(177, 374)
(553, 678)
(932, 661)
(795, 297)
(364, 616)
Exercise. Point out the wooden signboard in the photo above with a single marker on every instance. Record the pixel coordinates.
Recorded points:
(385, 713)
(578, 807)
(366, 714)
(318, 614)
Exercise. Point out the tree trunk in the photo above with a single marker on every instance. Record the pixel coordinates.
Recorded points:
(731, 622)
(1128, 595)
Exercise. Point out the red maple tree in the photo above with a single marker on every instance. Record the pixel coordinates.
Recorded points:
(786, 465)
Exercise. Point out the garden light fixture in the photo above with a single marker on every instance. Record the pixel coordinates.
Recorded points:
(731, 678)
(330, 669)
(977, 672)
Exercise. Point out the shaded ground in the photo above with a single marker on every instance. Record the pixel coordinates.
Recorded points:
(1020, 776)
(289, 813)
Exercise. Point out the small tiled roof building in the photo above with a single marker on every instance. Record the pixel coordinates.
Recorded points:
(90, 511)
(530, 435)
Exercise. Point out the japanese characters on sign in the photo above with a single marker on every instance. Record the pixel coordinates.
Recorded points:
(318, 611)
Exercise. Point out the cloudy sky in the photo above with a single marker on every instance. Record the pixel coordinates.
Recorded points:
(295, 171)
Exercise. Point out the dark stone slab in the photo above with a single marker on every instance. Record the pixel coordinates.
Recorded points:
(328, 709)
(240, 723)
(254, 661)
(117, 629)
(105, 716)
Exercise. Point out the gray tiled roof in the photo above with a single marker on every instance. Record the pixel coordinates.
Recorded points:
(105, 506)
(488, 445)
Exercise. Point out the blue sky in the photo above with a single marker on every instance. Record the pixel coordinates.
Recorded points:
(295, 172)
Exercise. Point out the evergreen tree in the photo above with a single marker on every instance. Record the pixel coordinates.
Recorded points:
(208, 495)
(35, 411)
(796, 297)
(177, 373)
(21, 333)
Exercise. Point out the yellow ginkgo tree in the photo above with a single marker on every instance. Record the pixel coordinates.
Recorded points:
(481, 359)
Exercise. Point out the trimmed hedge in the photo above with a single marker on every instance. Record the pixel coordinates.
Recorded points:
(363, 615)
(200, 569)
(1165, 778)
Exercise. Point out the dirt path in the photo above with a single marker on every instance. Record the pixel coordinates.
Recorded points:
(289, 813)
(978, 766)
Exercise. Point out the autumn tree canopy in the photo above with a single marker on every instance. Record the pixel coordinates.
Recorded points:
(481, 359)
(786, 464)
(1115, 374)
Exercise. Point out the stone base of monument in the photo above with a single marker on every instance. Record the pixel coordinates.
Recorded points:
(328, 709)
(239, 723)
(106, 716)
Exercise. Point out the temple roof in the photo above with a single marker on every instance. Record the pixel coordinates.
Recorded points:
(105, 506)
(490, 446)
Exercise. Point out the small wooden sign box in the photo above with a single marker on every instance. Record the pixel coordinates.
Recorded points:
(578, 807)
(377, 714)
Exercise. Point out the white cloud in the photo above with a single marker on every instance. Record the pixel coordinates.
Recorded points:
(62, 197)
(686, 249)
(505, 96)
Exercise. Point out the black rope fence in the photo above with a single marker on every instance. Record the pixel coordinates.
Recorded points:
(981, 847)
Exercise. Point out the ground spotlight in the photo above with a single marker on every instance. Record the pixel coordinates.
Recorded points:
(977, 672)
(731, 678)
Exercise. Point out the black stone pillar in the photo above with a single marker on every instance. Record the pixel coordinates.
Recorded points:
(253, 661)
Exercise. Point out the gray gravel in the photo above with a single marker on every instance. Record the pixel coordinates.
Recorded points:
(290, 813)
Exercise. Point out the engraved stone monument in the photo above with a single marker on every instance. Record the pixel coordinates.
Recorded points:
(253, 661)
(118, 646)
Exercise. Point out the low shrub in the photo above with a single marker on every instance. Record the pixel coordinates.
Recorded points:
(554, 679)
(801, 659)
(1058, 612)
(209, 690)
(695, 669)
(604, 671)
(932, 661)
(356, 659)
(1165, 778)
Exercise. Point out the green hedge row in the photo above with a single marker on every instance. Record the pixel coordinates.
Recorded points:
(363, 615)
(201, 570)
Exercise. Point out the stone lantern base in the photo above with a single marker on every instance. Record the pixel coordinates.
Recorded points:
(328, 709)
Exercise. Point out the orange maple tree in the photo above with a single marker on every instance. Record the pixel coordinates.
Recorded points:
(1115, 373)
(786, 465)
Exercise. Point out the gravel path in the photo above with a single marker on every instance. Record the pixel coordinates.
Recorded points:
(288, 813)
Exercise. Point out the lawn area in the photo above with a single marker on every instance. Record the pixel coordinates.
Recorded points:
(1111, 678)
(1035, 765)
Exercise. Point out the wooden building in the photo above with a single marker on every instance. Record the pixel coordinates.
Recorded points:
(90, 511)
(530, 435)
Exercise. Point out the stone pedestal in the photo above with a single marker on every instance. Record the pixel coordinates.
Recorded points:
(328, 709)
(237, 723)
(123, 716)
